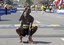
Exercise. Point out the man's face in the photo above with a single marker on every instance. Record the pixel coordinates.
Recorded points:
(28, 12)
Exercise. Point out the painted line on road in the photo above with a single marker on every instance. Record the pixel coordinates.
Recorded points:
(20, 8)
(39, 25)
(37, 21)
(19, 11)
(54, 25)
(62, 39)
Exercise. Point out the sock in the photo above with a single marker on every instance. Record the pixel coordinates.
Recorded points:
(30, 37)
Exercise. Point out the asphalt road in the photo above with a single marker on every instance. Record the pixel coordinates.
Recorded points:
(43, 36)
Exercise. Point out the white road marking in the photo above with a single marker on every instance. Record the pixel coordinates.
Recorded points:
(62, 39)
(20, 11)
(20, 8)
(37, 21)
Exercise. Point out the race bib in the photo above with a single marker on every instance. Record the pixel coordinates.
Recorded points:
(25, 26)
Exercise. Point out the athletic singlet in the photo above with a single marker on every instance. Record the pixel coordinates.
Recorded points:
(25, 22)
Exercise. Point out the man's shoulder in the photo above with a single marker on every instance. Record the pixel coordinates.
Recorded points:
(31, 16)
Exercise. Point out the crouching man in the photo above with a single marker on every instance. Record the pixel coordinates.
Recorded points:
(26, 27)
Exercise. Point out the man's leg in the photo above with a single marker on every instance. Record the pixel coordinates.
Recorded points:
(34, 29)
(19, 32)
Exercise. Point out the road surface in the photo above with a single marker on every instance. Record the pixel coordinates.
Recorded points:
(43, 36)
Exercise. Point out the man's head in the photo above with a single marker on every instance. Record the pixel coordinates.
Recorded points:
(27, 11)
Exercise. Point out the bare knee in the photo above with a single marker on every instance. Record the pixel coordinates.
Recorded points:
(35, 28)
(17, 30)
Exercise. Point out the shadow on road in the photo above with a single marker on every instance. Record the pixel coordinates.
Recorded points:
(38, 42)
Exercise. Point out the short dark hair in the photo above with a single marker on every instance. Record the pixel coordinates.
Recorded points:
(29, 10)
